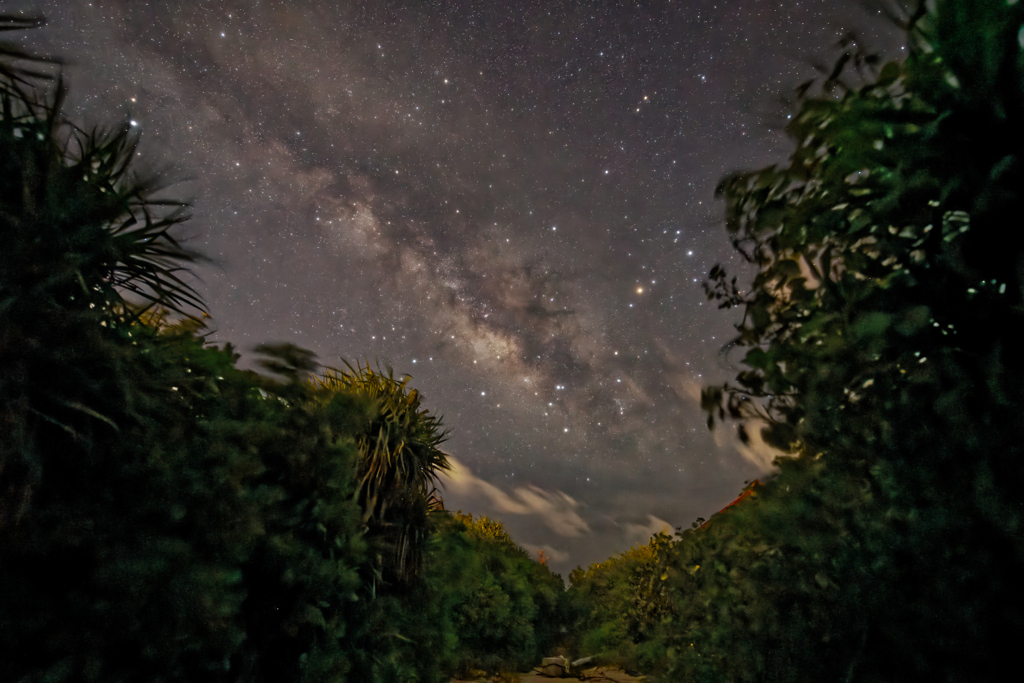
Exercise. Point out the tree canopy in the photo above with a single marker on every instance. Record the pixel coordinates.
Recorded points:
(881, 352)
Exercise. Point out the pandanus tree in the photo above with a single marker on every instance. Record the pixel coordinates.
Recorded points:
(163, 514)
(399, 465)
(88, 244)
(84, 226)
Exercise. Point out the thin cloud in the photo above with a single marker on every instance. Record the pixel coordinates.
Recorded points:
(755, 450)
(555, 509)
(641, 533)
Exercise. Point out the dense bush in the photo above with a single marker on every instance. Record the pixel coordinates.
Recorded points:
(881, 335)
(208, 534)
(163, 514)
(492, 607)
(508, 609)
(480, 604)
(399, 462)
(616, 605)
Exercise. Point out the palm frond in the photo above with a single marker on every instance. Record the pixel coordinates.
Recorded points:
(97, 226)
(400, 460)
(11, 56)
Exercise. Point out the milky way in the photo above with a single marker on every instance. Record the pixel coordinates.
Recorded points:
(510, 201)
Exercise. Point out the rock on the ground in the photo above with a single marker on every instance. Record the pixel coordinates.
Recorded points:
(554, 666)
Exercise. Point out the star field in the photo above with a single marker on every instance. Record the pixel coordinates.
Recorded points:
(512, 202)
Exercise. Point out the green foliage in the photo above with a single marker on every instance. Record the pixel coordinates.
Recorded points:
(163, 515)
(880, 334)
(508, 609)
(492, 607)
(81, 230)
(874, 247)
(479, 604)
(210, 535)
(619, 603)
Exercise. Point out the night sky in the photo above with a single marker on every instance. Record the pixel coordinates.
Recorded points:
(510, 201)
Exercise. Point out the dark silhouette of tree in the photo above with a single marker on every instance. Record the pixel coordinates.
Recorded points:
(81, 231)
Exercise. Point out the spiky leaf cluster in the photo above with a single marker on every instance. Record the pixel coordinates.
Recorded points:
(92, 216)
(399, 463)
(87, 248)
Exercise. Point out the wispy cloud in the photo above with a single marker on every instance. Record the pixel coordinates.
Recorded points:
(555, 509)
(641, 533)
(755, 450)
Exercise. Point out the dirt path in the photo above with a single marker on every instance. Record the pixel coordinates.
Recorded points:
(599, 674)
